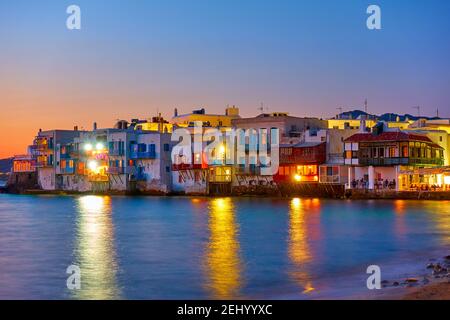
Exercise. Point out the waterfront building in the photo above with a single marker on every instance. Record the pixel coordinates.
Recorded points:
(119, 159)
(299, 163)
(207, 120)
(392, 159)
(150, 160)
(334, 170)
(44, 150)
(199, 172)
(23, 175)
(291, 129)
(291, 137)
(24, 163)
(438, 131)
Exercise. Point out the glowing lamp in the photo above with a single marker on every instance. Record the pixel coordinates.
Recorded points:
(88, 147)
(447, 180)
(92, 165)
(99, 146)
(298, 178)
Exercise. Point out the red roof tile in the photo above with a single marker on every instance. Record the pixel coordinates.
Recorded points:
(388, 136)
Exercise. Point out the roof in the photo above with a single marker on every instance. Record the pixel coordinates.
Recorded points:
(390, 136)
(301, 145)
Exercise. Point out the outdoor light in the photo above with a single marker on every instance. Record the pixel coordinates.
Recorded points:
(88, 147)
(298, 178)
(92, 165)
(99, 146)
(447, 180)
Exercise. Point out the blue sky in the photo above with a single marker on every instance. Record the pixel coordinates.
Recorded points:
(132, 58)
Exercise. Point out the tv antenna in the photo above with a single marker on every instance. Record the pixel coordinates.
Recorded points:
(262, 108)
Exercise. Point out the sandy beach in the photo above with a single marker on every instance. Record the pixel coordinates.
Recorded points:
(435, 291)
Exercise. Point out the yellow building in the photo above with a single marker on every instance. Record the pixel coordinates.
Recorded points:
(208, 120)
(352, 124)
(155, 124)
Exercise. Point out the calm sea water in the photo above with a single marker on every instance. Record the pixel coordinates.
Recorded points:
(188, 248)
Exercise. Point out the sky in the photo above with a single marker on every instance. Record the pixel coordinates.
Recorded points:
(132, 59)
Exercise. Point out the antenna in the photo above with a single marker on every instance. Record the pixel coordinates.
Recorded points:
(262, 108)
(437, 113)
(365, 106)
(418, 110)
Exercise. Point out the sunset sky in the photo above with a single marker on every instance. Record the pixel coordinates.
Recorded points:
(132, 58)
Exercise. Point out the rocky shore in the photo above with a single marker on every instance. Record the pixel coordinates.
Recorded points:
(434, 284)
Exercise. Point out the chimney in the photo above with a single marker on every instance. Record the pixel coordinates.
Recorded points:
(95, 126)
(75, 128)
(175, 112)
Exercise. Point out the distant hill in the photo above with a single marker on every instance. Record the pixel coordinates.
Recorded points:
(5, 165)
(355, 114)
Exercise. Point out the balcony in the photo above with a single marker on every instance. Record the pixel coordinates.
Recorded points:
(116, 152)
(116, 170)
(400, 161)
(187, 166)
(248, 170)
(67, 170)
(44, 163)
(143, 155)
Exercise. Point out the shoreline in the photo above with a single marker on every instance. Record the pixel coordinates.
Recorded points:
(402, 195)
(433, 285)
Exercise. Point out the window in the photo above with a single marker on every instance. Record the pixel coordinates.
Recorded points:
(166, 147)
(405, 151)
(286, 171)
(374, 153)
(142, 147)
(440, 138)
(348, 154)
(381, 152)
(167, 169)
(392, 152)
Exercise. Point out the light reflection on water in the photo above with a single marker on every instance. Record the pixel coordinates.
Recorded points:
(299, 250)
(94, 250)
(188, 248)
(223, 264)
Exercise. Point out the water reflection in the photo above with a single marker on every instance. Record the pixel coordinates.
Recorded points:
(440, 215)
(298, 247)
(223, 265)
(94, 251)
(400, 227)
